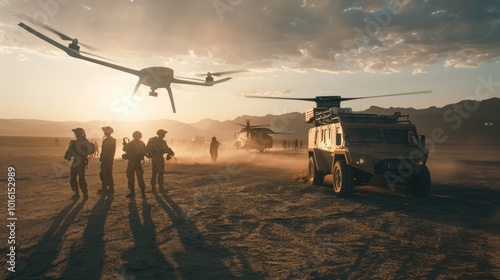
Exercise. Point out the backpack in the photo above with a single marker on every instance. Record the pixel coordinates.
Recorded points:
(152, 147)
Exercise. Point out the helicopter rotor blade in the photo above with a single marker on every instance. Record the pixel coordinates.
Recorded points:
(250, 126)
(386, 95)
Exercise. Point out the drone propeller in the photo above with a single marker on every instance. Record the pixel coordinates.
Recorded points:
(217, 74)
(61, 35)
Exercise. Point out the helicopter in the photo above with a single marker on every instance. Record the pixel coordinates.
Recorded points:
(256, 137)
(152, 77)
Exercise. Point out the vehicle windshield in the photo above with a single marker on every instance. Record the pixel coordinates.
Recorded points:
(397, 136)
(363, 135)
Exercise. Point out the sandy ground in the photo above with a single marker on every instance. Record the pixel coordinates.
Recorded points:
(250, 216)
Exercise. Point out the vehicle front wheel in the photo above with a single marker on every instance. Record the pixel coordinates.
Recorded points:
(343, 180)
(316, 177)
(420, 185)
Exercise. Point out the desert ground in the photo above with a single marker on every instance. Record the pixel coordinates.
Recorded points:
(248, 216)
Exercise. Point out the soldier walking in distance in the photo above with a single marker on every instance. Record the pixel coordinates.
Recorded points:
(135, 153)
(106, 158)
(156, 148)
(79, 150)
(214, 149)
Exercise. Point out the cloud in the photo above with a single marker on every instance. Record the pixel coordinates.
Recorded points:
(418, 71)
(333, 36)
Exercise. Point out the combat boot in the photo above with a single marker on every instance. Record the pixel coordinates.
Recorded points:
(111, 190)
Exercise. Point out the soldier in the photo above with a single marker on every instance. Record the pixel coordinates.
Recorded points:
(135, 150)
(157, 147)
(106, 158)
(79, 150)
(214, 149)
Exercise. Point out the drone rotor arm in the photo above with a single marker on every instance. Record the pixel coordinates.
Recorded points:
(75, 53)
(204, 83)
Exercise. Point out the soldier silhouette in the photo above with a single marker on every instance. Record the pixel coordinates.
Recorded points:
(135, 151)
(79, 150)
(106, 158)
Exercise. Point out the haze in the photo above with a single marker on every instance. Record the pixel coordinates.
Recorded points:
(292, 48)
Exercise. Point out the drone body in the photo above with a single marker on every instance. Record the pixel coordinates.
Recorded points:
(152, 77)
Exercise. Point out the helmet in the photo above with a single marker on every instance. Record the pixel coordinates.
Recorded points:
(107, 129)
(79, 131)
(161, 132)
(137, 134)
(213, 138)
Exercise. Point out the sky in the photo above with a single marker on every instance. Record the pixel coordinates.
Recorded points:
(291, 48)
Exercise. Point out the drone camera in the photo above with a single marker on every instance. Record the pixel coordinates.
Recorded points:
(153, 93)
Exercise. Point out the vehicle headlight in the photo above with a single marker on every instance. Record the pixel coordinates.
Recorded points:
(361, 161)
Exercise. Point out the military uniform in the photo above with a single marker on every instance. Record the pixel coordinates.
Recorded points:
(79, 149)
(157, 161)
(107, 157)
(136, 150)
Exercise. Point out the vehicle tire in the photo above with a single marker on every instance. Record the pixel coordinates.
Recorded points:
(420, 185)
(316, 177)
(343, 179)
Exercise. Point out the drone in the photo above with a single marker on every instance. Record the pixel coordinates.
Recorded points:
(327, 102)
(328, 107)
(152, 77)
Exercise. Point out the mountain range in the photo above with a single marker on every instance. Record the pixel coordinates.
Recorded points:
(467, 121)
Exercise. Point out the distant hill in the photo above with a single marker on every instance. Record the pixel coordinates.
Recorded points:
(467, 121)
(464, 122)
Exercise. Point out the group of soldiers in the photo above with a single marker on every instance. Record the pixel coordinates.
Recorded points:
(135, 152)
(291, 144)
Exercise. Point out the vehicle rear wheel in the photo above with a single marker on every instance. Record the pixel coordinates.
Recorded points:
(420, 185)
(316, 177)
(343, 180)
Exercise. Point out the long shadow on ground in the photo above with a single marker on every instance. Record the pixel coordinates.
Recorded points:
(145, 260)
(199, 259)
(87, 258)
(40, 260)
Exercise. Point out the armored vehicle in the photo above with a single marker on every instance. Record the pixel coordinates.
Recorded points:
(362, 148)
(366, 149)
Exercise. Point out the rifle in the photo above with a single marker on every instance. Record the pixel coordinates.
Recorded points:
(126, 141)
(72, 147)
